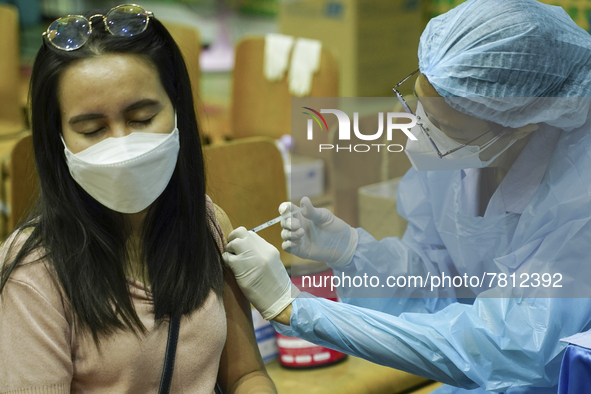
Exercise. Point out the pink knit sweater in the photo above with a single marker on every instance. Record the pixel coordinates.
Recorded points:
(43, 352)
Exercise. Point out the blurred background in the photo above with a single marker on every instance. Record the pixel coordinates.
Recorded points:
(248, 60)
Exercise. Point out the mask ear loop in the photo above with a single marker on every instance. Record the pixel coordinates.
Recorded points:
(64, 142)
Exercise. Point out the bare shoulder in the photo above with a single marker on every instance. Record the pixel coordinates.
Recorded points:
(223, 220)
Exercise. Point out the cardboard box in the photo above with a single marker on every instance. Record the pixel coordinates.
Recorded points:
(377, 210)
(578, 10)
(305, 177)
(375, 42)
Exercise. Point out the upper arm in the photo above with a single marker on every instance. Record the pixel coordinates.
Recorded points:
(223, 220)
(35, 343)
(240, 356)
(241, 359)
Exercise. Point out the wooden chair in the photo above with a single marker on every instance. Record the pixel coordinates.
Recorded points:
(189, 42)
(12, 119)
(214, 121)
(247, 180)
(24, 182)
(19, 186)
(263, 108)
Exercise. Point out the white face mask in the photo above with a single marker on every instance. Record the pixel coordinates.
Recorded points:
(126, 174)
(423, 157)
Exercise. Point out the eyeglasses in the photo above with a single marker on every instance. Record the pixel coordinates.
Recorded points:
(71, 32)
(425, 130)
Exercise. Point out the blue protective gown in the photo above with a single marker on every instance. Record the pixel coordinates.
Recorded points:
(575, 371)
(495, 344)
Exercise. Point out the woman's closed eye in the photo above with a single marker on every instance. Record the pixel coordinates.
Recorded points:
(142, 122)
(137, 124)
(94, 133)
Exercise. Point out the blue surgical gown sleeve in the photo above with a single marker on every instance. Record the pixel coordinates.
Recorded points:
(495, 343)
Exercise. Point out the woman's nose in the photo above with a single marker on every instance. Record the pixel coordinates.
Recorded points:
(120, 129)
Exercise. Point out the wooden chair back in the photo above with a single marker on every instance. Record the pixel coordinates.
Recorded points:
(261, 107)
(23, 181)
(12, 119)
(246, 179)
(189, 42)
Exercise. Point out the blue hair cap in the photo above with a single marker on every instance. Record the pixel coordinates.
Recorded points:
(513, 62)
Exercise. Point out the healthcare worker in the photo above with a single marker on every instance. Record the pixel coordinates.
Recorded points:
(507, 189)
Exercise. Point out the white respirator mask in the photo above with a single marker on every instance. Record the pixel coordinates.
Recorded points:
(126, 174)
(423, 156)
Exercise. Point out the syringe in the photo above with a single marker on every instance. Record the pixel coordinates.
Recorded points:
(276, 220)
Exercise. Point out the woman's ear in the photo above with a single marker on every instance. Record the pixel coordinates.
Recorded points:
(524, 131)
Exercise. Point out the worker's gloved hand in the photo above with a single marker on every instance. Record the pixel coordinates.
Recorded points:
(317, 234)
(259, 272)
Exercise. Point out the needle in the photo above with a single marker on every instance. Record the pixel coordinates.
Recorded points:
(276, 220)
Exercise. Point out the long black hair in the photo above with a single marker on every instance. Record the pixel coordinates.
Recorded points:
(83, 242)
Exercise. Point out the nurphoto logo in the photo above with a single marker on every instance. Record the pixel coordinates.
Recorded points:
(344, 132)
